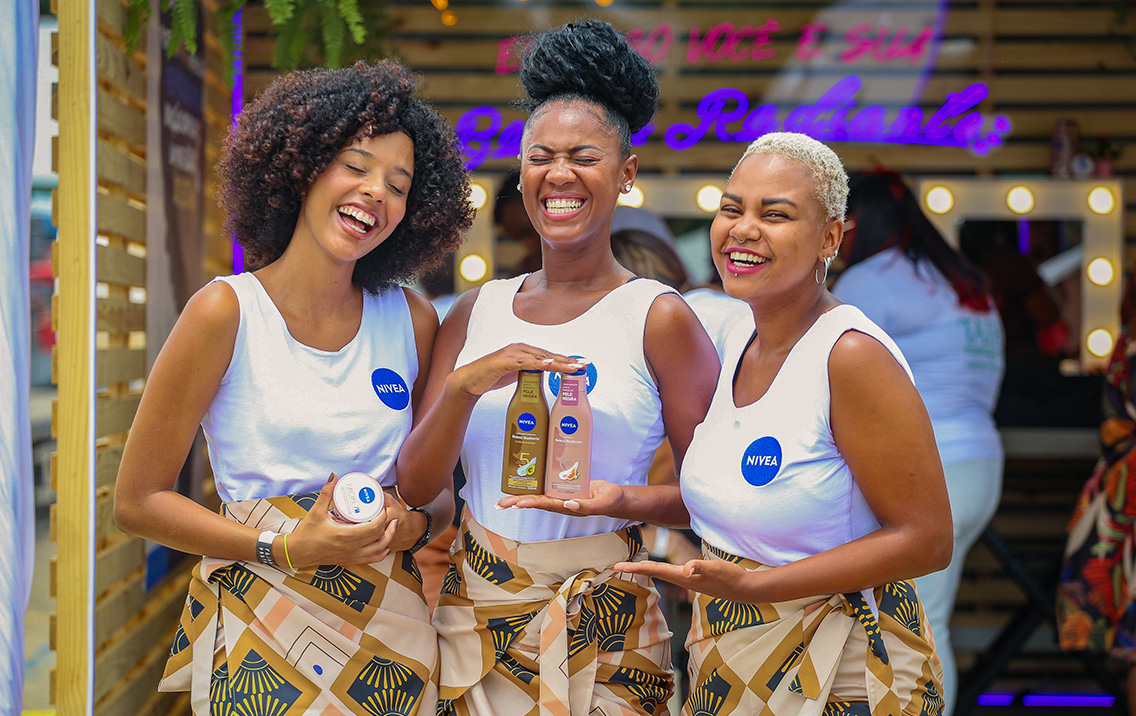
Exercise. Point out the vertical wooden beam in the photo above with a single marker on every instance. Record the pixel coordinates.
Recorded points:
(75, 355)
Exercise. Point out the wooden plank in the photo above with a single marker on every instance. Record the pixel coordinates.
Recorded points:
(119, 365)
(1065, 89)
(120, 120)
(111, 17)
(119, 315)
(117, 217)
(119, 168)
(115, 415)
(138, 688)
(481, 54)
(70, 516)
(118, 70)
(120, 267)
(118, 606)
(107, 460)
(116, 561)
(152, 628)
(498, 21)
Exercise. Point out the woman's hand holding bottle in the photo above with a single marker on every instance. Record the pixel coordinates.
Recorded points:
(500, 368)
(322, 539)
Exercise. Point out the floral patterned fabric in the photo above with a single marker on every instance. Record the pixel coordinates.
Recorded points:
(1095, 606)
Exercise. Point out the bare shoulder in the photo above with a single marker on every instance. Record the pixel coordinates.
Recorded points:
(670, 312)
(860, 362)
(213, 312)
(458, 315)
(421, 310)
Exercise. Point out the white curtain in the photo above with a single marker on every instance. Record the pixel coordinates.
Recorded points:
(19, 37)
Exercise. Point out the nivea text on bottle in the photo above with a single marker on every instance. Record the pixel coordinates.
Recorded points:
(526, 437)
(569, 468)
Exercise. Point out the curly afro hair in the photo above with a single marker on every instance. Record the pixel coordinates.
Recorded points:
(287, 136)
(592, 61)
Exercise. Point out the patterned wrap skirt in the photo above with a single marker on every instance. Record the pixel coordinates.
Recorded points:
(790, 657)
(546, 628)
(319, 640)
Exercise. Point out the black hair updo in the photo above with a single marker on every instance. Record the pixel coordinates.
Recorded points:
(592, 61)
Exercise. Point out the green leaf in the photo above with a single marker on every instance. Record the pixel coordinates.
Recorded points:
(289, 44)
(137, 15)
(280, 11)
(334, 34)
(349, 9)
(183, 30)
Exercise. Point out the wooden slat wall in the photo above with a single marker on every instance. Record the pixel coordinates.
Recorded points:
(132, 628)
(1042, 59)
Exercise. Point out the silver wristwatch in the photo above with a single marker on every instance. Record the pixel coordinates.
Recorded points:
(264, 548)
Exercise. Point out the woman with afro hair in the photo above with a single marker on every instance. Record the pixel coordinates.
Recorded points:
(532, 616)
(337, 183)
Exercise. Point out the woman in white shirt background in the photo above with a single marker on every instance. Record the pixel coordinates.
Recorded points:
(938, 309)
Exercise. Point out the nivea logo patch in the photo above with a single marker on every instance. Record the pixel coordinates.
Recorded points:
(526, 421)
(367, 495)
(761, 461)
(391, 388)
(568, 425)
(590, 376)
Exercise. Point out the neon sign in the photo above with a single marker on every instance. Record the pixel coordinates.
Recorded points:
(726, 42)
(834, 117)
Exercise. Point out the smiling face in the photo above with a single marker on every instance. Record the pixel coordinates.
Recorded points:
(360, 198)
(572, 172)
(770, 235)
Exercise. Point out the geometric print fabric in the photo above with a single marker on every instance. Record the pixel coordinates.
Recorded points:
(253, 640)
(785, 658)
(547, 628)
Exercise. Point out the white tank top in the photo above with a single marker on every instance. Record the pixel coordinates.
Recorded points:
(766, 481)
(627, 416)
(288, 415)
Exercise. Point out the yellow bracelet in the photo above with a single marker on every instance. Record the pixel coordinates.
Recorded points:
(286, 557)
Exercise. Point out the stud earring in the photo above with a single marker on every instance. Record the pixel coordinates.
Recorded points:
(626, 188)
(519, 187)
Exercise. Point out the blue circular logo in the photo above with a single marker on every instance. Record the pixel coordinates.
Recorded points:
(391, 388)
(761, 461)
(526, 421)
(568, 425)
(589, 373)
(367, 495)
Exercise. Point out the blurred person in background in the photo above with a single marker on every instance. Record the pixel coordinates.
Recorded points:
(937, 307)
(1096, 610)
(513, 225)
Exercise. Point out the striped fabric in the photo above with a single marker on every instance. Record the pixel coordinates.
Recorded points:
(791, 657)
(323, 640)
(547, 628)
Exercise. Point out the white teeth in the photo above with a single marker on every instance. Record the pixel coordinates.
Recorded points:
(747, 259)
(357, 214)
(562, 206)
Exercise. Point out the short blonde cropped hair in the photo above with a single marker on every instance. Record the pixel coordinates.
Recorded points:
(829, 178)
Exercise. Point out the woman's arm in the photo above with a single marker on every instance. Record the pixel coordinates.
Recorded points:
(179, 389)
(412, 525)
(685, 367)
(427, 459)
(882, 430)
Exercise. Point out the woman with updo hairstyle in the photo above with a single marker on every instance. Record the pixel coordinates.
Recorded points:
(532, 617)
(814, 481)
(338, 184)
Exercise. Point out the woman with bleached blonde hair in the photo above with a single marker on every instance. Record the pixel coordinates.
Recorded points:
(814, 481)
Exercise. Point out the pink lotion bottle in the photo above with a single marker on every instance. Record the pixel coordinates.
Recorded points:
(569, 466)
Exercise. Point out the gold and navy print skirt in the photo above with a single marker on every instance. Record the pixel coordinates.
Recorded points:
(546, 628)
(812, 656)
(320, 640)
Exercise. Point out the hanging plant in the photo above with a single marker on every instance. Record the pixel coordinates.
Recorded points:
(328, 33)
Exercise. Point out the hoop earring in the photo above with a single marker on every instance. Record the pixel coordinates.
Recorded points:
(821, 279)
